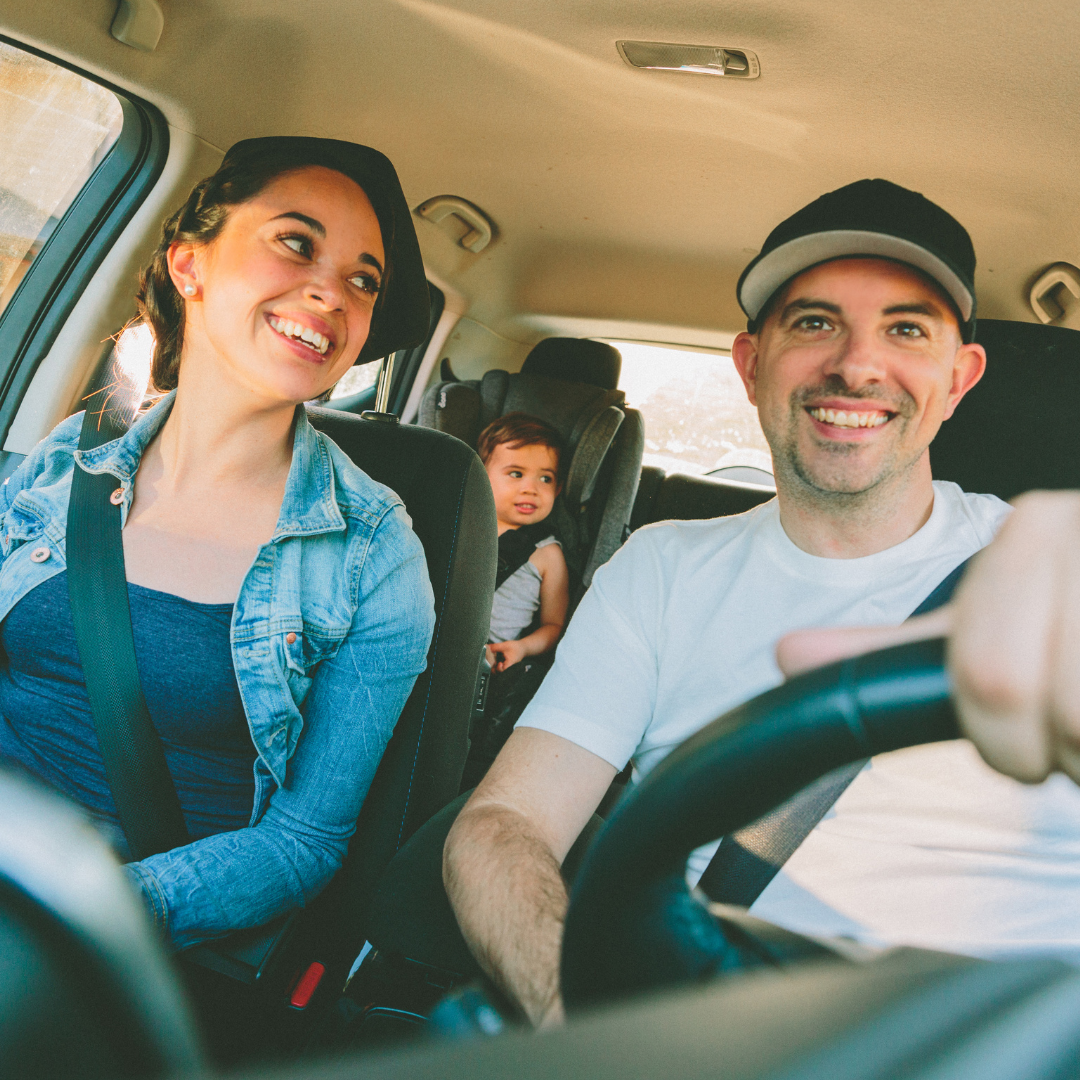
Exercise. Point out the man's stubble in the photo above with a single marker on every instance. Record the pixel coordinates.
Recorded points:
(830, 487)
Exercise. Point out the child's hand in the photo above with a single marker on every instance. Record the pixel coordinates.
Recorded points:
(505, 654)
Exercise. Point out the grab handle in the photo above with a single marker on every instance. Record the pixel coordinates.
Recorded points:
(440, 207)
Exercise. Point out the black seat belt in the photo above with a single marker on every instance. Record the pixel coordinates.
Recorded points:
(516, 547)
(747, 860)
(142, 789)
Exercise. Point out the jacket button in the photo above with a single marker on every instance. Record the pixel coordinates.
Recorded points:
(117, 497)
(40, 554)
(290, 638)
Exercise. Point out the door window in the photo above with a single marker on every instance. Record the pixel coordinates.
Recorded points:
(357, 379)
(55, 127)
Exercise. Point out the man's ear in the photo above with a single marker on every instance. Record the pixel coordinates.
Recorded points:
(968, 368)
(744, 353)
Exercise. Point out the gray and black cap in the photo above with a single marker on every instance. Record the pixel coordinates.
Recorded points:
(867, 219)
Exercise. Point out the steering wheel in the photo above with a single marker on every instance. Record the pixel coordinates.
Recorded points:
(632, 924)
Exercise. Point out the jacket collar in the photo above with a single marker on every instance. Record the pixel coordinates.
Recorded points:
(309, 505)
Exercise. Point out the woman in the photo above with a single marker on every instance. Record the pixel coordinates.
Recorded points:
(280, 601)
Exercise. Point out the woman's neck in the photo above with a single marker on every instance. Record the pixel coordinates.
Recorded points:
(208, 492)
(225, 436)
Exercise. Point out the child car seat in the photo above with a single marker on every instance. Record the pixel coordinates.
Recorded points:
(570, 383)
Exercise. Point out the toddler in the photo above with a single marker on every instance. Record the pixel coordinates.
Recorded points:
(522, 456)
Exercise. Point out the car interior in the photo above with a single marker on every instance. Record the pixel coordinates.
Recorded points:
(587, 182)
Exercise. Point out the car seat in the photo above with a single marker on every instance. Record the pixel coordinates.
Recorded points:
(572, 384)
(447, 494)
(1016, 431)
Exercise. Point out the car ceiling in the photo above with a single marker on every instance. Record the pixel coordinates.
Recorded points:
(628, 195)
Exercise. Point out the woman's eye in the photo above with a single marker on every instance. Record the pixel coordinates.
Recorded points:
(366, 283)
(545, 479)
(297, 242)
(515, 474)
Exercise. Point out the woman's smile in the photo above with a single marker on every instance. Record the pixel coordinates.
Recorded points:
(305, 334)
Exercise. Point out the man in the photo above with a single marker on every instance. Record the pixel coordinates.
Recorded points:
(861, 313)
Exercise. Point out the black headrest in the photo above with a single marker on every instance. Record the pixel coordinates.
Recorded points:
(1017, 429)
(575, 360)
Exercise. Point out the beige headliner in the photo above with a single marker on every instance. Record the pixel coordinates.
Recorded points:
(635, 197)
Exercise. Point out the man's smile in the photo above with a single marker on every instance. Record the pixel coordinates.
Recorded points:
(850, 418)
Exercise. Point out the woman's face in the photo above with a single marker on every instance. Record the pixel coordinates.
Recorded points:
(282, 298)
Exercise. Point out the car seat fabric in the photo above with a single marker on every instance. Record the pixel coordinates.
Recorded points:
(605, 441)
(684, 497)
(447, 494)
(1015, 430)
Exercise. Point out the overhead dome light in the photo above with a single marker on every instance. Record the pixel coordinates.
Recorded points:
(696, 59)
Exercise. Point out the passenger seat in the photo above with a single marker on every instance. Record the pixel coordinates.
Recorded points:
(572, 384)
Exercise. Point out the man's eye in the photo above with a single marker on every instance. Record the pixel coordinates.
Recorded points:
(908, 330)
(813, 323)
(366, 283)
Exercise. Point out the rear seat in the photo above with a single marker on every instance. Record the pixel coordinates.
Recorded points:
(572, 384)
(686, 498)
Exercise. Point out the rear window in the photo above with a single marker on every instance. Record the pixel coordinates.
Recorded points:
(697, 416)
(55, 128)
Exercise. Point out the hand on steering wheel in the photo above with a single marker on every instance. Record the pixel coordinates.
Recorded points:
(1014, 641)
(632, 923)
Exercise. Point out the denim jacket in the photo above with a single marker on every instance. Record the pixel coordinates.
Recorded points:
(346, 576)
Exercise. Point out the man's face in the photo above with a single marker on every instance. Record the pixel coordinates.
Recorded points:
(853, 372)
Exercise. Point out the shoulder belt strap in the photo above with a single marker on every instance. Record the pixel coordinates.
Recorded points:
(139, 779)
(516, 547)
(747, 860)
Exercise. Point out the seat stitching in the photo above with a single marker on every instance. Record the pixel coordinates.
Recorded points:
(434, 653)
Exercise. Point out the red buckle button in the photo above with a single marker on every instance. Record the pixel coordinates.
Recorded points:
(306, 986)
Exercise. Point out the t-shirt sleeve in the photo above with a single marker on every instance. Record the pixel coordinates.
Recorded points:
(601, 689)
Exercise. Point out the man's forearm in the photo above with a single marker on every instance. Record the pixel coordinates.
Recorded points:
(507, 891)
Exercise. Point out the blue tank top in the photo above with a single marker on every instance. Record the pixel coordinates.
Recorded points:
(185, 666)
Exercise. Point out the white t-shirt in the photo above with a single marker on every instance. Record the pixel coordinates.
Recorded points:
(928, 846)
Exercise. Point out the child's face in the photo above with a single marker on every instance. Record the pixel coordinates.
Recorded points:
(524, 480)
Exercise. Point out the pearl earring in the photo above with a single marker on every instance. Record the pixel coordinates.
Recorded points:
(189, 290)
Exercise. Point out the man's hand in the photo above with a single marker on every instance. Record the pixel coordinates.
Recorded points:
(1014, 641)
(506, 654)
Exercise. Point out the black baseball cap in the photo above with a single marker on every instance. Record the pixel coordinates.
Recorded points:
(869, 219)
(400, 318)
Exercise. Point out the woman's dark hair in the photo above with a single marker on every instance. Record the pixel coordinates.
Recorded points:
(400, 317)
